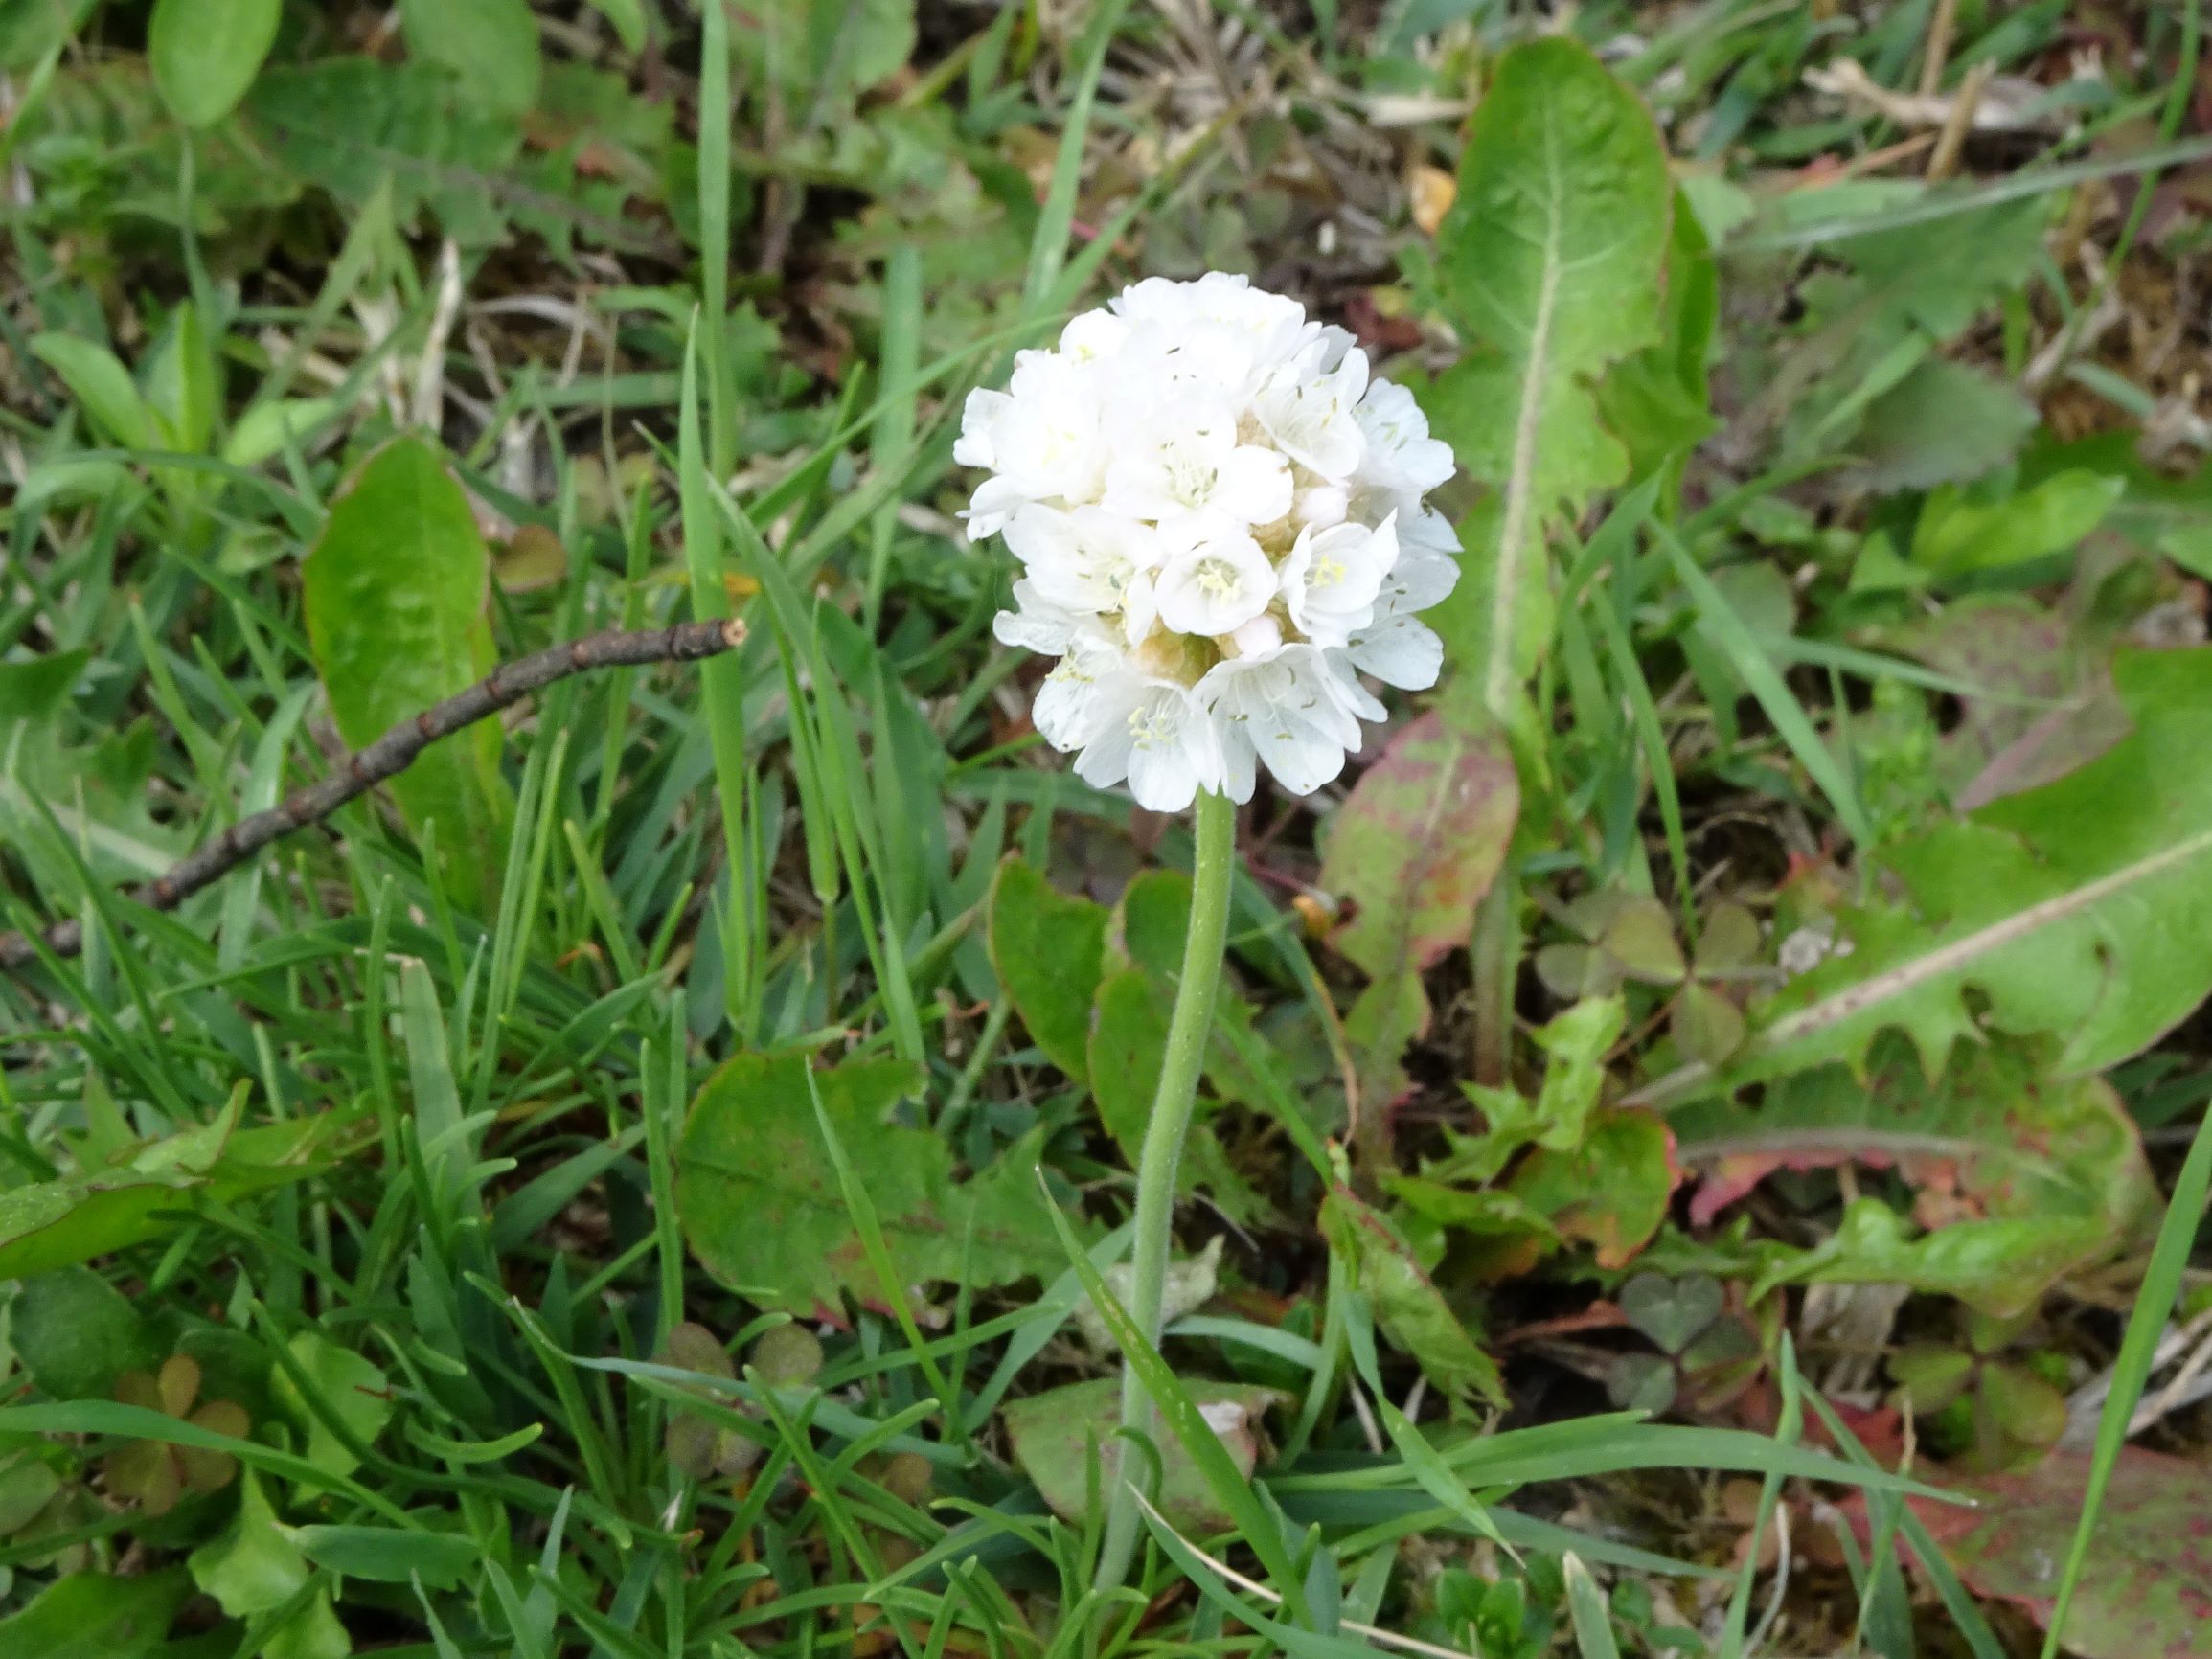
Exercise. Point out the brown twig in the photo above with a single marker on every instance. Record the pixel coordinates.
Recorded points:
(392, 753)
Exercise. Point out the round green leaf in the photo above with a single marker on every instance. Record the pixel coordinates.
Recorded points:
(1931, 1373)
(204, 53)
(76, 1334)
(1671, 1311)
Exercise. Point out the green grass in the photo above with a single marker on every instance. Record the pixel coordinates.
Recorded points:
(440, 1258)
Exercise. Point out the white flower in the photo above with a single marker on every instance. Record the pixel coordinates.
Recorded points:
(1400, 454)
(1399, 650)
(1089, 562)
(1313, 415)
(1083, 695)
(1035, 625)
(1041, 438)
(1279, 709)
(1163, 743)
(1331, 579)
(1216, 586)
(1219, 519)
(1172, 464)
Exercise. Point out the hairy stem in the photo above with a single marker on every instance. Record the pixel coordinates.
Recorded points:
(392, 753)
(1188, 1031)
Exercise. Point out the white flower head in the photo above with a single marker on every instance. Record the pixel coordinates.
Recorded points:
(1219, 517)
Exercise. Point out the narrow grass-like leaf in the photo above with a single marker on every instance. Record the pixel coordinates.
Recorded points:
(1965, 1612)
(1593, 1618)
(1174, 1401)
(722, 679)
(1731, 633)
(2132, 1370)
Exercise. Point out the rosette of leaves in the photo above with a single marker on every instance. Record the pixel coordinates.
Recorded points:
(1707, 1353)
(156, 1474)
(1630, 939)
(1512, 1616)
(1985, 1399)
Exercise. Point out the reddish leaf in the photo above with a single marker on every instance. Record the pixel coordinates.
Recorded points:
(2019, 1177)
(2146, 1593)
(1420, 840)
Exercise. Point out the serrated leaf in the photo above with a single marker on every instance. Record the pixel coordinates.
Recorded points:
(354, 126)
(1047, 949)
(1384, 1020)
(395, 591)
(2024, 1178)
(1420, 840)
(204, 53)
(761, 1204)
(2078, 909)
(1551, 263)
(831, 49)
(1946, 422)
(1656, 401)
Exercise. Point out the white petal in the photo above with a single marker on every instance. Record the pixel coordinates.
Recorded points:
(1424, 527)
(995, 501)
(1310, 412)
(1399, 651)
(977, 417)
(1254, 485)
(1400, 454)
(1034, 626)
(1086, 695)
(1417, 580)
(1341, 680)
(1094, 334)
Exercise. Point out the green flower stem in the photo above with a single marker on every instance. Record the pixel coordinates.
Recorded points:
(1188, 1031)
